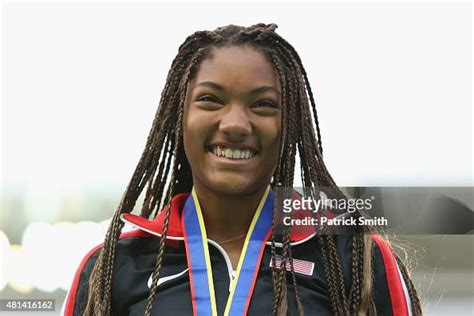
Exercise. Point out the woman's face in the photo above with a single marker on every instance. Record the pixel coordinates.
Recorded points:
(231, 121)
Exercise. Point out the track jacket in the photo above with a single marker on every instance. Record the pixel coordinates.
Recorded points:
(136, 256)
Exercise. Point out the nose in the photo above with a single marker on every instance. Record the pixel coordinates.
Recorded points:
(235, 122)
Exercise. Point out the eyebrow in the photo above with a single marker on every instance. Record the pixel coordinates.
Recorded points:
(210, 84)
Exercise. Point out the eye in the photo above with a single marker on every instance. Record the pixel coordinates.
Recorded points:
(209, 98)
(266, 104)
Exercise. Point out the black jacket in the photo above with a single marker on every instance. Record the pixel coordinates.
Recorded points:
(136, 257)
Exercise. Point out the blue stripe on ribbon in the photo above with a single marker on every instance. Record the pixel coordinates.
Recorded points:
(198, 269)
(251, 263)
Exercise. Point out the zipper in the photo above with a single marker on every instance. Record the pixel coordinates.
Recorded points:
(227, 260)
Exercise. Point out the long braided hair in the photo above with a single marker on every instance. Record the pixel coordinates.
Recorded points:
(164, 153)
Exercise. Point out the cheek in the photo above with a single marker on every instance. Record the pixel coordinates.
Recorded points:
(195, 130)
(277, 132)
(272, 135)
(189, 140)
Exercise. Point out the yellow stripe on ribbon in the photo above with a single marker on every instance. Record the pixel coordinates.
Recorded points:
(206, 254)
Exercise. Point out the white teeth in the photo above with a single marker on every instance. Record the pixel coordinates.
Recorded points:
(220, 151)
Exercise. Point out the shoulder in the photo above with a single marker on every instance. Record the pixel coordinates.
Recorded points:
(77, 294)
(390, 290)
(389, 285)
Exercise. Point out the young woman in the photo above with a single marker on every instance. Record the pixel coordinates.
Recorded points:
(236, 108)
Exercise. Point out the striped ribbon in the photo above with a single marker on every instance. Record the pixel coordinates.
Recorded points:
(199, 262)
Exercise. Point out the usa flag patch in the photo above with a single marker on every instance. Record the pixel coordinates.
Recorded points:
(300, 266)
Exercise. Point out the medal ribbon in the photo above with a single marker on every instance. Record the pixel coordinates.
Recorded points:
(199, 261)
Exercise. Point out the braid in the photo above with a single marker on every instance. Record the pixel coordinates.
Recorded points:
(161, 185)
(356, 271)
(282, 280)
(367, 303)
(337, 271)
(288, 143)
(159, 260)
(153, 157)
(331, 282)
(161, 249)
(299, 301)
(153, 186)
(282, 79)
(276, 282)
(415, 301)
(296, 57)
(311, 163)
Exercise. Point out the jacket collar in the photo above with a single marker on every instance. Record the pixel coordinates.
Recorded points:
(175, 231)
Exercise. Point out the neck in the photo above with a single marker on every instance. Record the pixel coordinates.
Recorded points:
(227, 216)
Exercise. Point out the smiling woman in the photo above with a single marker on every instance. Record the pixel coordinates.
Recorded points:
(233, 108)
(236, 108)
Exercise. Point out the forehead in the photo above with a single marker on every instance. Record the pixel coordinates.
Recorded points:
(237, 67)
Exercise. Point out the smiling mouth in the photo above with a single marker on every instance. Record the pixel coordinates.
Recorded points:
(230, 153)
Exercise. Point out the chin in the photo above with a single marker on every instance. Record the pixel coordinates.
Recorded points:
(234, 186)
